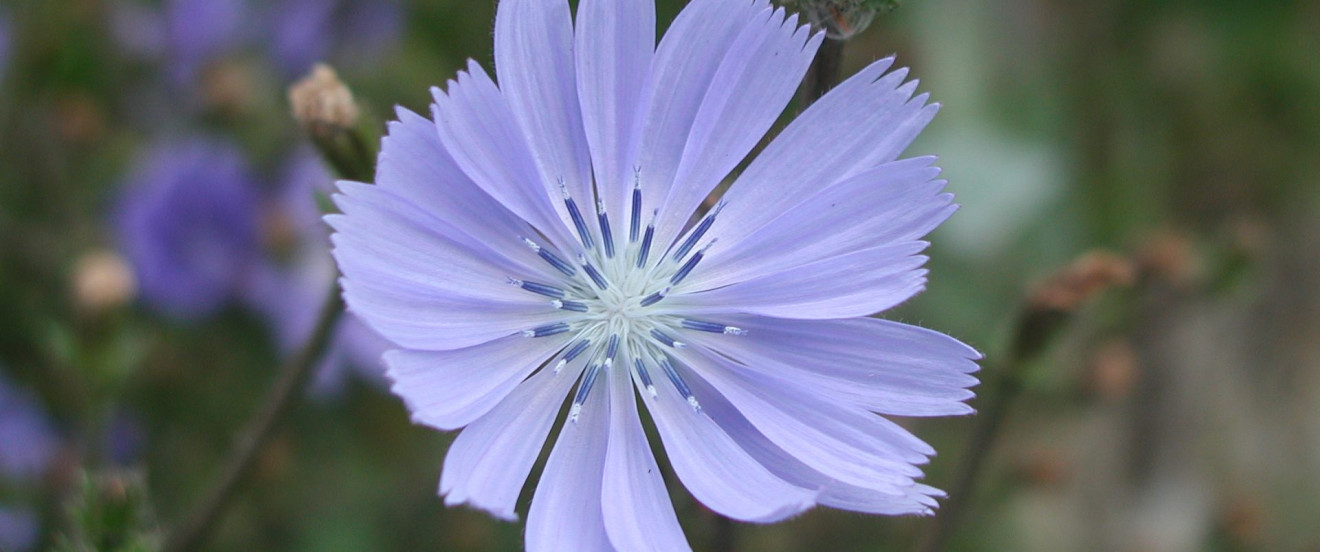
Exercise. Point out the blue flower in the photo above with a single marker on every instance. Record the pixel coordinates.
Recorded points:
(303, 32)
(30, 444)
(540, 242)
(18, 529)
(194, 34)
(6, 36)
(29, 437)
(187, 223)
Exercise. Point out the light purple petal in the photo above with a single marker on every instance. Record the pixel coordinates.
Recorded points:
(715, 469)
(754, 82)
(855, 284)
(638, 514)
(876, 496)
(449, 389)
(918, 499)
(534, 62)
(479, 130)
(685, 64)
(615, 42)
(430, 320)
(389, 239)
(876, 364)
(489, 462)
(892, 203)
(415, 165)
(565, 513)
(866, 121)
(838, 442)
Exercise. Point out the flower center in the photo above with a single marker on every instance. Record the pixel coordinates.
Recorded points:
(611, 299)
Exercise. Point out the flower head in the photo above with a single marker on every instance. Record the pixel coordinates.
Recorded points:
(304, 32)
(542, 241)
(5, 46)
(188, 226)
(29, 437)
(18, 529)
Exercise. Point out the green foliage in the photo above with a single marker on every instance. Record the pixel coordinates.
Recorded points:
(110, 512)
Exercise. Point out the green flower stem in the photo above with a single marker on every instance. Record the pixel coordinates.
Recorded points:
(293, 377)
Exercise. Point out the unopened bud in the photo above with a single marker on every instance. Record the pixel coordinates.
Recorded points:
(841, 19)
(102, 280)
(325, 108)
(1070, 288)
(1054, 301)
(322, 104)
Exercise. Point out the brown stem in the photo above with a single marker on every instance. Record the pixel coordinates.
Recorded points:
(292, 379)
(824, 72)
(982, 441)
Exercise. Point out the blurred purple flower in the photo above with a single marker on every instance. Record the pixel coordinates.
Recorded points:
(198, 32)
(307, 31)
(28, 436)
(5, 37)
(125, 439)
(187, 223)
(18, 529)
(547, 223)
(192, 34)
(290, 293)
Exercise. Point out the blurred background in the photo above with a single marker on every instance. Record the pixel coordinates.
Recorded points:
(161, 254)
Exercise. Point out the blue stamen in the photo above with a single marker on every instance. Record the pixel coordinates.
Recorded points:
(549, 257)
(612, 347)
(678, 382)
(575, 306)
(654, 297)
(644, 375)
(584, 389)
(664, 338)
(646, 245)
(698, 232)
(551, 329)
(576, 215)
(593, 273)
(689, 265)
(703, 326)
(636, 212)
(577, 349)
(534, 287)
(606, 237)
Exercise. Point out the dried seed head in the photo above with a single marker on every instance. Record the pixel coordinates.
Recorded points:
(1090, 274)
(322, 103)
(102, 280)
(841, 19)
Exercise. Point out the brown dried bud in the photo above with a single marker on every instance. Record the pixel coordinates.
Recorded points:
(1070, 288)
(1114, 370)
(1050, 305)
(841, 19)
(102, 280)
(322, 104)
(1168, 256)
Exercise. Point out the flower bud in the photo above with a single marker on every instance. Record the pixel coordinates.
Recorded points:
(102, 280)
(841, 19)
(322, 104)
